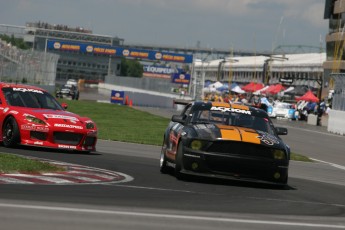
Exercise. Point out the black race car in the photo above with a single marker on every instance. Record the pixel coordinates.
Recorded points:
(224, 140)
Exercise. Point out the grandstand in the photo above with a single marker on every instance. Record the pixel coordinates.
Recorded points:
(26, 66)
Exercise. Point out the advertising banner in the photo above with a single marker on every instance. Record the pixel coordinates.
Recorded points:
(180, 78)
(158, 71)
(117, 97)
(118, 51)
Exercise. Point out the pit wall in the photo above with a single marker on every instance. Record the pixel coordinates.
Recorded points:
(336, 122)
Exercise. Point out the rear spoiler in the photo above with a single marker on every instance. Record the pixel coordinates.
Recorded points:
(182, 102)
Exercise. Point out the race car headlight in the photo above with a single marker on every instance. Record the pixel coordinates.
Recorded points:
(90, 125)
(35, 120)
(196, 144)
(278, 154)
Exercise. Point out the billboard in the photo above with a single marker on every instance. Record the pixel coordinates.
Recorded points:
(118, 51)
(117, 97)
(180, 78)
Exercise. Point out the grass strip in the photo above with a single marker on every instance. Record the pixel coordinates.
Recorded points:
(15, 164)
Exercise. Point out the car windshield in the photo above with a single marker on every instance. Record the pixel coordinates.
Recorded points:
(30, 98)
(283, 106)
(232, 118)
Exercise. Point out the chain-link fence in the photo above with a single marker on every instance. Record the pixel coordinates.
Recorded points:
(27, 66)
(338, 102)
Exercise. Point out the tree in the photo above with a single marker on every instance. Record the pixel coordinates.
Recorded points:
(131, 68)
(18, 42)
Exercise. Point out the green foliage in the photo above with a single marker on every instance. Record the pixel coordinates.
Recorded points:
(18, 42)
(131, 68)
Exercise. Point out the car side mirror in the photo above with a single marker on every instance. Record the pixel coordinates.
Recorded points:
(281, 131)
(178, 118)
(64, 105)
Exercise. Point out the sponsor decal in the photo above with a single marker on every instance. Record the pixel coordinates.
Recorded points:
(14, 112)
(267, 139)
(68, 126)
(27, 90)
(38, 143)
(35, 128)
(6, 109)
(67, 147)
(56, 116)
(233, 110)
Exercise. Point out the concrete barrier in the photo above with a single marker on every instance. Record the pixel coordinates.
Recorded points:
(336, 122)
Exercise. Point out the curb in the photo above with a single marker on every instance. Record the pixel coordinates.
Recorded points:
(75, 174)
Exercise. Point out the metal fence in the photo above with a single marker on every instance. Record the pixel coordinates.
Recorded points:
(338, 102)
(27, 66)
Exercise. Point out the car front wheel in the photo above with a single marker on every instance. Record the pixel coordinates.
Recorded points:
(163, 162)
(179, 162)
(10, 133)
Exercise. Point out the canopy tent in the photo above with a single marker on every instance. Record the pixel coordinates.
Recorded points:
(289, 89)
(215, 85)
(238, 89)
(275, 89)
(308, 96)
(252, 87)
(258, 92)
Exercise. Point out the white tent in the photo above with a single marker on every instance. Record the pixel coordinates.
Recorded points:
(215, 85)
(237, 89)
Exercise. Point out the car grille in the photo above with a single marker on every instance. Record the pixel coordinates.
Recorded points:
(67, 138)
(241, 149)
(89, 141)
(38, 135)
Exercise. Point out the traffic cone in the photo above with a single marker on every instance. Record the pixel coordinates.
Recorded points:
(126, 100)
(130, 103)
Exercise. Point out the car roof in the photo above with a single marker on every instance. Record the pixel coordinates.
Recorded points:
(13, 85)
(238, 106)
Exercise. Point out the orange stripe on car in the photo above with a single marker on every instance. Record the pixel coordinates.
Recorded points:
(249, 135)
(243, 107)
(229, 133)
(220, 104)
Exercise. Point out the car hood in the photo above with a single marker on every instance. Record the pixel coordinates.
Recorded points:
(235, 133)
(55, 116)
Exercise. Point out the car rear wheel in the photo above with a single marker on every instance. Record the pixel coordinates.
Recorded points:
(10, 133)
(179, 162)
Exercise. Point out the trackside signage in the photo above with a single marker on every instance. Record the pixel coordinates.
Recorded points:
(117, 97)
(91, 48)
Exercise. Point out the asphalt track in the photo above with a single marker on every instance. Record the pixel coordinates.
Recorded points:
(314, 198)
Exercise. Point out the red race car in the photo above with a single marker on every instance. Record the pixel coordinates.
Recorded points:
(31, 116)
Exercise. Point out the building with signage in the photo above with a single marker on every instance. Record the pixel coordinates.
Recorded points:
(89, 56)
(69, 42)
(291, 69)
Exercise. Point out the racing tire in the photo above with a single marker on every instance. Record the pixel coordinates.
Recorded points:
(10, 133)
(179, 162)
(163, 163)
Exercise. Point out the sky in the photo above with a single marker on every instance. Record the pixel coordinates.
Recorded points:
(252, 25)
